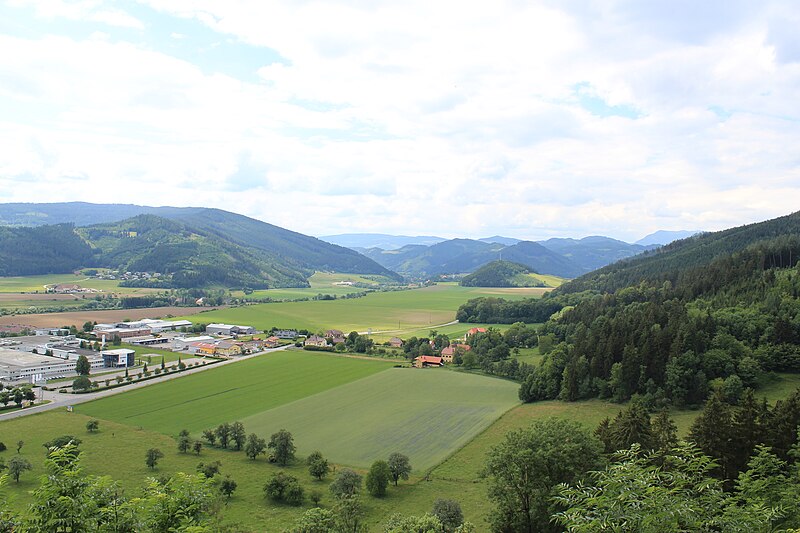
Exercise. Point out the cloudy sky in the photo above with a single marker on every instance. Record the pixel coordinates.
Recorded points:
(452, 118)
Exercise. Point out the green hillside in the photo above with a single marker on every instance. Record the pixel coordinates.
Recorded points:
(669, 262)
(502, 274)
(719, 311)
(42, 250)
(194, 247)
(148, 243)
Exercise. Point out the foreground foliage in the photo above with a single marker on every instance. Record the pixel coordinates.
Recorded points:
(69, 501)
(676, 492)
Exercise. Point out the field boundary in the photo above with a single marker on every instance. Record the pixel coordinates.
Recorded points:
(432, 469)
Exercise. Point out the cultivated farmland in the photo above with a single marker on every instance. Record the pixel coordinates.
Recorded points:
(390, 312)
(427, 414)
(231, 392)
(355, 410)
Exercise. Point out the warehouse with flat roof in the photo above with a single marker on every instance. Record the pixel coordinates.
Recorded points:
(16, 365)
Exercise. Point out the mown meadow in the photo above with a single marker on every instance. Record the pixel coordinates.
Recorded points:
(404, 312)
(118, 449)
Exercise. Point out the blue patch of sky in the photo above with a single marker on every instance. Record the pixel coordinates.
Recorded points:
(183, 38)
(587, 99)
(722, 113)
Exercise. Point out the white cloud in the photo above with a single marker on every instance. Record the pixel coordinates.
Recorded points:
(426, 118)
(87, 10)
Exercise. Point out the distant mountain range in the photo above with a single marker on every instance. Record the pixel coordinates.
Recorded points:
(362, 241)
(567, 258)
(429, 256)
(217, 246)
(197, 246)
(662, 237)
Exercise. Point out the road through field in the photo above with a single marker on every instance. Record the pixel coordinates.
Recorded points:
(58, 400)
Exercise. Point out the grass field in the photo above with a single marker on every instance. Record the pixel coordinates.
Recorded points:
(118, 450)
(548, 279)
(37, 283)
(425, 413)
(321, 283)
(77, 318)
(390, 312)
(231, 392)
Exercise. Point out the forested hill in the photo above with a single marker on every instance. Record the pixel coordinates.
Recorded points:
(670, 262)
(501, 274)
(194, 246)
(716, 311)
(42, 250)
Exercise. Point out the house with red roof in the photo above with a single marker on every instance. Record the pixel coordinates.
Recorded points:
(449, 351)
(271, 342)
(473, 331)
(427, 360)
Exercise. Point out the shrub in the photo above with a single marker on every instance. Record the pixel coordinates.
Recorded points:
(81, 383)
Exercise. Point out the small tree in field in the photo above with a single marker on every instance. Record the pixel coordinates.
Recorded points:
(152, 456)
(254, 446)
(209, 470)
(449, 513)
(17, 465)
(399, 467)
(184, 441)
(92, 426)
(238, 435)
(227, 487)
(223, 434)
(197, 447)
(378, 478)
(210, 435)
(282, 446)
(347, 483)
(317, 465)
(284, 488)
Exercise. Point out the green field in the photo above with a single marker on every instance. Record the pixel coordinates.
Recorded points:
(231, 392)
(320, 283)
(425, 413)
(399, 312)
(118, 450)
(548, 279)
(37, 283)
(355, 410)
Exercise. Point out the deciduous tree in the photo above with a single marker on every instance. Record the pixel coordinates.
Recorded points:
(152, 456)
(525, 468)
(399, 466)
(317, 465)
(254, 446)
(378, 478)
(17, 465)
(282, 446)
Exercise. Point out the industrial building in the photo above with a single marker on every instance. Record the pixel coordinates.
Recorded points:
(16, 365)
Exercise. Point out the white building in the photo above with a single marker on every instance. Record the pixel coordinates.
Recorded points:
(16, 365)
(227, 329)
(180, 344)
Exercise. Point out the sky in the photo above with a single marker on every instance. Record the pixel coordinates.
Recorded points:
(529, 119)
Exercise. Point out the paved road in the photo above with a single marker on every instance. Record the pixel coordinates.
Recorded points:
(407, 330)
(59, 400)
